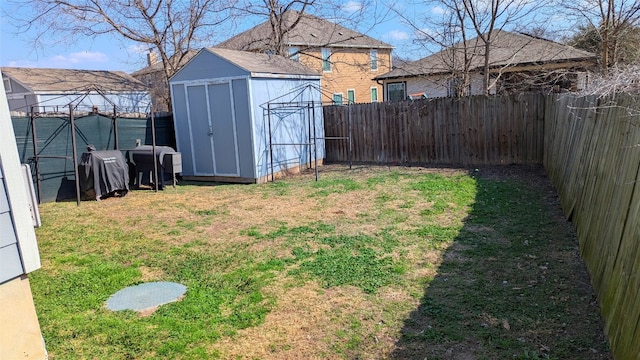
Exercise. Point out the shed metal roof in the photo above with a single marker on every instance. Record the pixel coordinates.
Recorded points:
(258, 63)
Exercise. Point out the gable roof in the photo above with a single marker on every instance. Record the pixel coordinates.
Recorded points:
(310, 32)
(157, 67)
(258, 63)
(507, 49)
(65, 80)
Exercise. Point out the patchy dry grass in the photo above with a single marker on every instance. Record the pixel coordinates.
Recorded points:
(370, 263)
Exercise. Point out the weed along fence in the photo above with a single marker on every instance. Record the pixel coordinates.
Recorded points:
(53, 167)
(469, 131)
(592, 155)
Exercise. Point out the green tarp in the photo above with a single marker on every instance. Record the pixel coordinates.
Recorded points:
(55, 151)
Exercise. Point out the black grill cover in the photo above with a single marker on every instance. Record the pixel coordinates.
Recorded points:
(103, 173)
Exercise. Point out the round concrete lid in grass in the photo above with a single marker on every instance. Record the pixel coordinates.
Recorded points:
(146, 298)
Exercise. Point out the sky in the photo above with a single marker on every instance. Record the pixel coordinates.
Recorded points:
(113, 53)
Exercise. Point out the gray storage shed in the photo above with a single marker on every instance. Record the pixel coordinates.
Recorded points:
(241, 116)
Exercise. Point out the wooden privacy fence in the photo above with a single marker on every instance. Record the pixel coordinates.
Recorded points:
(592, 155)
(590, 148)
(469, 131)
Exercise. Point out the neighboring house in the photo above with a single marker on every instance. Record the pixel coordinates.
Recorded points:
(518, 63)
(154, 78)
(224, 122)
(348, 60)
(52, 90)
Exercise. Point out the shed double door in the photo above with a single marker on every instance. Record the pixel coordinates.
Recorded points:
(213, 129)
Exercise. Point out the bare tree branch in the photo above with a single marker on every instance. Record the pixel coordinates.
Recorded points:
(610, 21)
(170, 28)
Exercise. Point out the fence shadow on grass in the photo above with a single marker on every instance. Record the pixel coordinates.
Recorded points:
(511, 285)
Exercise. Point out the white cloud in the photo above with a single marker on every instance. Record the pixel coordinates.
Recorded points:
(396, 35)
(138, 49)
(88, 56)
(22, 63)
(352, 7)
(425, 33)
(76, 60)
(438, 10)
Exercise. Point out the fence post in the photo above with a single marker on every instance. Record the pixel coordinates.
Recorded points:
(32, 117)
(75, 153)
(115, 128)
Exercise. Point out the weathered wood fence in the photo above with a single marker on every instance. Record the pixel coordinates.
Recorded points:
(468, 131)
(590, 148)
(592, 155)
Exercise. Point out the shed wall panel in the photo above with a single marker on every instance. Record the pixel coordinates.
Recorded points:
(224, 130)
(243, 126)
(206, 65)
(288, 126)
(181, 124)
(201, 130)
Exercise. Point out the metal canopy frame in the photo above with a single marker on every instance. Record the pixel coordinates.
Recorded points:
(308, 107)
(73, 107)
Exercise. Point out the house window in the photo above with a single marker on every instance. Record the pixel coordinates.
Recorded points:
(337, 99)
(7, 85)
(326, 59)
(294, 53)
(373, 54)
(374, 94)
(351, 96)
(395, 91)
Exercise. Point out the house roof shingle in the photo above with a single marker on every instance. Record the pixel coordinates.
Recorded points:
(507, 49)
(311, 32)
(263, 63)
(41, 79)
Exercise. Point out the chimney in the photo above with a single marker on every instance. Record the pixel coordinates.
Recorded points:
(152, 58)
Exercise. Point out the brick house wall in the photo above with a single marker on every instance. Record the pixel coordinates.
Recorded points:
(351, 71)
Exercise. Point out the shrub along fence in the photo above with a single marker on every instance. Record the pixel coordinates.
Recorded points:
(592, 155)
(55, 150)
(469, 131)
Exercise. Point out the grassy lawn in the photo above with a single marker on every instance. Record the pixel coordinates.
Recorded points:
(373, 263)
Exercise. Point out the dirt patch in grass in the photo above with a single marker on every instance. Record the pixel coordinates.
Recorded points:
(148, 274)
(303, 325)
